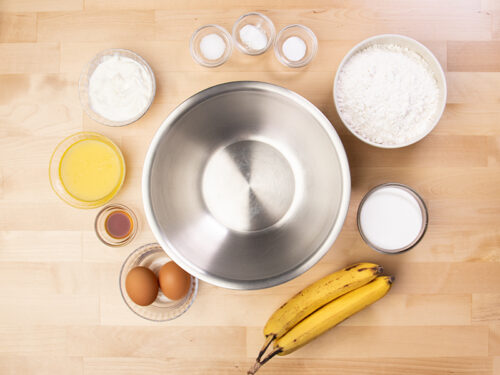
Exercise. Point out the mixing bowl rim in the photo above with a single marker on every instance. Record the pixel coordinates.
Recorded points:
(181, 110)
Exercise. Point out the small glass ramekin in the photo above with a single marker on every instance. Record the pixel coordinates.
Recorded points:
(302, 32)
(196, 38)
(83, 85)
(162, 309)
(258, 20)
(100, 225)
(55, 175)
(423, 210)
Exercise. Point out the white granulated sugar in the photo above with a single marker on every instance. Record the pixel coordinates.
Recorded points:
(387, 94)
(212, 46)
(294, 48)
(253, 37)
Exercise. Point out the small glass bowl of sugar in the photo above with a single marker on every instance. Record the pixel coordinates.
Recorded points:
(296, 46)
(211, 46)
(253, 33)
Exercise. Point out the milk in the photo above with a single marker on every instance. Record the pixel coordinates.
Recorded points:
(391, 218)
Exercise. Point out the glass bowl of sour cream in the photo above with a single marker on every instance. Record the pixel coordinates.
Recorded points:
(117, 87)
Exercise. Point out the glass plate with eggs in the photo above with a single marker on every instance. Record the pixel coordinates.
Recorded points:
(154, 287)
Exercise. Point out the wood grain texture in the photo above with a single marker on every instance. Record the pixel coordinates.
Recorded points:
(60, 308)
(464, 56)
(485, 308)
(40, 340)
(17, 27)
(494, 340)
(96, 26)
(40, 5)
(293, 366)
(29, 58)
(40, 365)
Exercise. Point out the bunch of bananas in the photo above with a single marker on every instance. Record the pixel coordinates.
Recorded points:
(321, 306)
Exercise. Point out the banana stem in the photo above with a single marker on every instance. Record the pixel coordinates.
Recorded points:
(254, 368)
(269, 340)
(257, 365)
(271, 355)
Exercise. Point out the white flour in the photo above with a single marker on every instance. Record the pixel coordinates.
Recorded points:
(387, 94)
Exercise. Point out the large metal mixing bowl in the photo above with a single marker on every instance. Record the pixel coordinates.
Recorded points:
(246, 185)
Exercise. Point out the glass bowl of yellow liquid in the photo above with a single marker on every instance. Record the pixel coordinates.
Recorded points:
(86, 170)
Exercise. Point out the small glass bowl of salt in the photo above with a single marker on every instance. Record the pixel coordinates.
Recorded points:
(253, 33)
(296, 46)
(211, 46)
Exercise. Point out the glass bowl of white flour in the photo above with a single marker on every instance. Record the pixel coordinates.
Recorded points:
(390, 91)
(117, 87)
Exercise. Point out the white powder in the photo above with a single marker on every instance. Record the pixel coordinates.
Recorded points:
(387, 94)
(294, 48)
(391, 218)
(212, 46)
(120, 88)
(253, 37)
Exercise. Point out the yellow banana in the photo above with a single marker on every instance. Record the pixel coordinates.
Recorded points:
(332, 314)
(318, 294)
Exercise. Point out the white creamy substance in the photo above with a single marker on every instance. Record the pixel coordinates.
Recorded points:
(294, 48)
(387, 94)
(212, 46)
(253, 37)
(391, 218)
(120, 88)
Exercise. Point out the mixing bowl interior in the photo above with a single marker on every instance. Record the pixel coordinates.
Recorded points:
(244, 185)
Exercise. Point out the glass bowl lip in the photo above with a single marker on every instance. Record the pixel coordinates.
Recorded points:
(227, 53)
(155, 246)
(88, 204)
(423, 209)
(309, 58)
(122, 207)
(270, 40)
(85, 71)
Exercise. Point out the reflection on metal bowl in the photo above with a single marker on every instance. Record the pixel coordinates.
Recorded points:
(246, 185)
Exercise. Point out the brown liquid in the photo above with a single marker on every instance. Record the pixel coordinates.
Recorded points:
(118, 224)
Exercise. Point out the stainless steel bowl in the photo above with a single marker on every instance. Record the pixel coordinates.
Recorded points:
(246, 185)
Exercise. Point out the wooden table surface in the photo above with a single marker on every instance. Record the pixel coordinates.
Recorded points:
(60, 308)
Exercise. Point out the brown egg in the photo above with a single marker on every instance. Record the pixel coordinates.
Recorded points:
(174, 281)
(141, 285)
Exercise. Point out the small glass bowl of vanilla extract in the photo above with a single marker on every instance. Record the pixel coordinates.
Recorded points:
(116, 225)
